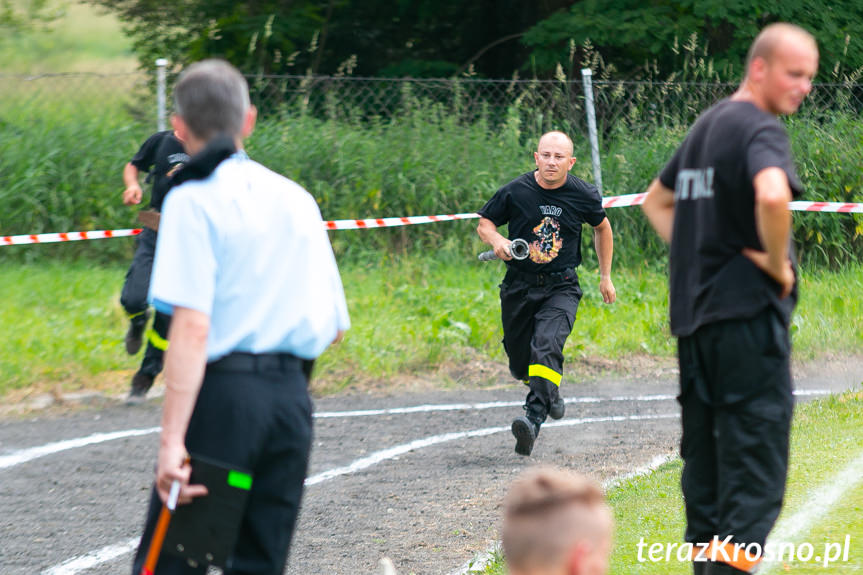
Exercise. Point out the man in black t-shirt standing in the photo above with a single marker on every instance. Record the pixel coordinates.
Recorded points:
(722, 203)
(539, 295)
(161, 155)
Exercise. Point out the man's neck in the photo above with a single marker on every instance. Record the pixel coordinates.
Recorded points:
(748, 93)
(195, 145)
(541, 183)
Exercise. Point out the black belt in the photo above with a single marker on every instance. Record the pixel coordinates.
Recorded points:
(257, 362)
(551, 278)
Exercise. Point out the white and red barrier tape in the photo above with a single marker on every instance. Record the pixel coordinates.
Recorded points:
(609, 202)
(66, 237)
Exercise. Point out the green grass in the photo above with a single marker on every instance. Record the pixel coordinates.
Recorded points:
(410, 315)
(830, 310)
(62, 325)
(81, 38)
(651, 506)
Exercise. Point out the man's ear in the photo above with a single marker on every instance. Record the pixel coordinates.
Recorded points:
(757, 69)
(181, 130)
(250, 121)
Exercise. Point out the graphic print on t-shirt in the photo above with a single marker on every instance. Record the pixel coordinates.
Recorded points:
(546, 248)
(176, 161)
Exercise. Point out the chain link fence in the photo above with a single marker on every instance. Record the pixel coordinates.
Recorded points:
(626, 104)
(76, 98)
(537, 104)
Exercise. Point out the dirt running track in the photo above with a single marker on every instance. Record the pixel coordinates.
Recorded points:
(390, 484)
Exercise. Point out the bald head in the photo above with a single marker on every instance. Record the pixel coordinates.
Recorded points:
(553, 517)
(775, 37)
(554, 159)
(556, 139)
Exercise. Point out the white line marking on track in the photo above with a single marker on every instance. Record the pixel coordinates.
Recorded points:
(651, 466)
(72, 566)
(479, 406)
(428, 408)
(29, 454)
(94, 558)
(818, 503)
(383, 455)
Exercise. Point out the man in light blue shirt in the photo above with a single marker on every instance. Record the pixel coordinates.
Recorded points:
(245, 268)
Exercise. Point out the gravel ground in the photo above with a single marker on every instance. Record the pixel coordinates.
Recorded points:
(430, 507)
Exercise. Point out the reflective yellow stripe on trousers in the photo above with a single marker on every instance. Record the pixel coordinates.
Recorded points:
(156, 340)
(537, 370)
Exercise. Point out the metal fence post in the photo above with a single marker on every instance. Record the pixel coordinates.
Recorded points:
(587, 80)
(161, 88)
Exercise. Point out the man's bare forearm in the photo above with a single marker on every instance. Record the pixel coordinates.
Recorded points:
(772, 217)
(603, 239)
(185, 362)
(488, 233)
(130, 175)
(658, 206)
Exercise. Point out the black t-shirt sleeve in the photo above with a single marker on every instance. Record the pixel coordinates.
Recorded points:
(668, 175)
(497, 209)
(594, 213)
(146, 156)
(770, 148)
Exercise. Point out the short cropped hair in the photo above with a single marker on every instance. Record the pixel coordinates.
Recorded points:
(768, 39)
(547, 511)
(212, 98)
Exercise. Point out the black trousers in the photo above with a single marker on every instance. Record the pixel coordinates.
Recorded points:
(537, 313)
(133, 298)
(737, 403)
(259, 419)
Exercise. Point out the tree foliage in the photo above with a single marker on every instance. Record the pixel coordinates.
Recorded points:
(492, 38)
(16, 17)
(636, 35)
(374, 37)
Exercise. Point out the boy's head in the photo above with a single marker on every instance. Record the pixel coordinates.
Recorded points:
(211, 98)
(556, 522)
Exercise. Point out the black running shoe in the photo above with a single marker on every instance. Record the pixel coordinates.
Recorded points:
(525, 432)
(141, 384)
(558, 408)
(135, 333)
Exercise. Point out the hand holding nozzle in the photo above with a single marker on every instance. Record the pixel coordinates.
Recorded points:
(518, 249)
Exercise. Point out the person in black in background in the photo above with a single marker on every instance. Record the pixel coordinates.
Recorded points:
(161, 156)
(722, 204)
(539, 295)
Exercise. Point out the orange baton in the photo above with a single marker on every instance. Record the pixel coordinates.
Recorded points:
(161, 528)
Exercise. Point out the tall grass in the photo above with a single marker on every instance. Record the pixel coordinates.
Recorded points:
(60, 171)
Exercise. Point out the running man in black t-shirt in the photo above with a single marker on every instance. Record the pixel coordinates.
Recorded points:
(539, 295)
(161, 156)
(722, 203)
